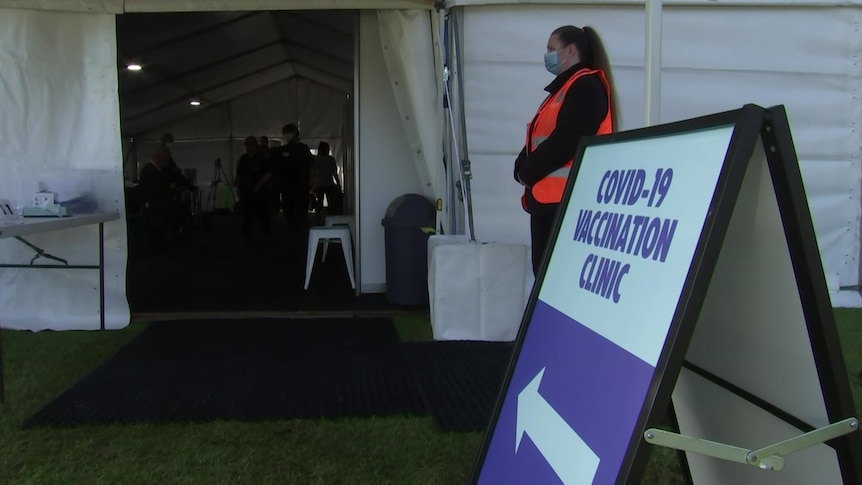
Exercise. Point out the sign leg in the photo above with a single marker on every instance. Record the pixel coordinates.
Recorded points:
(2, 384)
(681, 456)
(101, 276)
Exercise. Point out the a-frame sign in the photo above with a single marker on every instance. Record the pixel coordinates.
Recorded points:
(683, 267)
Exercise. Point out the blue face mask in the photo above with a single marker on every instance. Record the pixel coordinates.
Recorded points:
(552, 62)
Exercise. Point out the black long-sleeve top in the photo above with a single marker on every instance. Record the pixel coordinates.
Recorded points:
(584, 108)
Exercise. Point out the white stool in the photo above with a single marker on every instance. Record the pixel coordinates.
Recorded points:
(332, 221)
(317, 234)
(339, 220)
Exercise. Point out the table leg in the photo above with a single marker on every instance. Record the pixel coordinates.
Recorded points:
(2, 384)
(101, 276)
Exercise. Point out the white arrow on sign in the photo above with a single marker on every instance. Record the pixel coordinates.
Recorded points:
(569, 456)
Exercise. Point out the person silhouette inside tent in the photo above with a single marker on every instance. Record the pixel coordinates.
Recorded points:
(293, 160)
(171, 169)
(271, 189)
(185, 188)
(263, 147)
(158, 193)
(252, 174)
(325, 180)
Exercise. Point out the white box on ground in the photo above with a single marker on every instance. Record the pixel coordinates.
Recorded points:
(478, 291)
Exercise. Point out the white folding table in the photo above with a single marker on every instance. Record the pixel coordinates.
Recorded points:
(37, 225)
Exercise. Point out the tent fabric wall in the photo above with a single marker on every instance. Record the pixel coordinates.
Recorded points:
(406, 37)
(385, 170)
(818, 79)
(60, 118)
(677, 3)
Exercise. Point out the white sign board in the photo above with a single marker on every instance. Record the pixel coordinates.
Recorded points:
(663, 265)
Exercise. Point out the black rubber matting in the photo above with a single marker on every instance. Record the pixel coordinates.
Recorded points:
(254, 370)
(460, 380)
(204, 370)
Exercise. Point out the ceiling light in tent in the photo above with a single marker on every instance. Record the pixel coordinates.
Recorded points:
(134, 67)
(195, 102)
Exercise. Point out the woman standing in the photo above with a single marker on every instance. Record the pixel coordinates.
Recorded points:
(580, 102)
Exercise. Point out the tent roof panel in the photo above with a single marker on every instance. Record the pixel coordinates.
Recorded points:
(328, 42)
(139, 6)
(278, 99)
(328, 20)
(133, 106)
(224, 63)
(320, 77)
(232, 39)
(155, 119)
(225, 55)
(248, 84)
(226, 5)
(192, 124)
(147, 33)
(140, 80)
(246, 64)
(336, 67)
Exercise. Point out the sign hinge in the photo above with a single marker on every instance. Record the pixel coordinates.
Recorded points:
(767, 458)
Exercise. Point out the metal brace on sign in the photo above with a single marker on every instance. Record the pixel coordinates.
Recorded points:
(767, 458)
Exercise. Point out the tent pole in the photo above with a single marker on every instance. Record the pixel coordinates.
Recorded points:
(126, 158)
(464, 161)
(230, 141)
(456, 146)
(652, 66)
(452, 146)
(438, 42)
(134, 145)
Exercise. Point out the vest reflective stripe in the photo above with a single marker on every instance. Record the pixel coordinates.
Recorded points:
(550, 189)
(539, 140)
(562, 172)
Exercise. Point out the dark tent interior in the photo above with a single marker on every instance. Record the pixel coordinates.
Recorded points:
(211, 80)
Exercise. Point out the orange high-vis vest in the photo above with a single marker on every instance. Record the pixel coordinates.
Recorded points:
(550, 189)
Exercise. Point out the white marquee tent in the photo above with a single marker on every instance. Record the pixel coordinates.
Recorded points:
(256, 70)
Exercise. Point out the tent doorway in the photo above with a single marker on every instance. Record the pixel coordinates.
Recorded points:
(210, 80)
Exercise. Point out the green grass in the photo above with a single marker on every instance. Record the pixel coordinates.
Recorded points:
(375, 451)
(850, 329)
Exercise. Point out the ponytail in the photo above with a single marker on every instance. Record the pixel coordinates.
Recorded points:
(598, 59)
(594, 56)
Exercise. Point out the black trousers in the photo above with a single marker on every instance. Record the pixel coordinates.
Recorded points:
(294, 204)
(329, 192)
(162, 222)
(254, 207)
(541, 226)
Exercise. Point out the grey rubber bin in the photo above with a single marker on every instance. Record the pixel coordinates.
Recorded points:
(406, 246)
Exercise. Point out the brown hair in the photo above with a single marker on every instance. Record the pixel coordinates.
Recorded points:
(593, 55)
